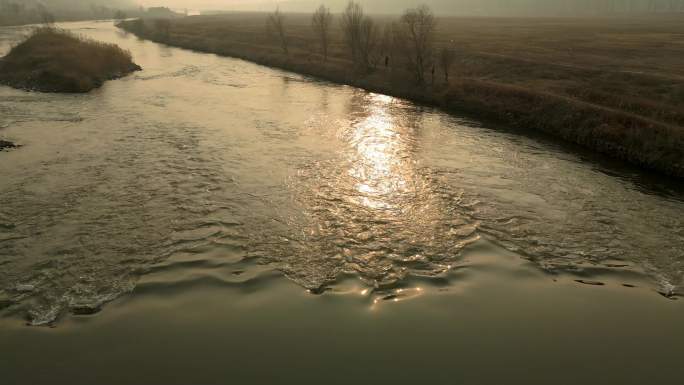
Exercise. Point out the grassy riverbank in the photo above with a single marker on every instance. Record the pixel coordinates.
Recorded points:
(615, 85)
(52, 60)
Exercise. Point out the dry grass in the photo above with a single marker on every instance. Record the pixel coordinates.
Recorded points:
(612, 84)
(52, 60)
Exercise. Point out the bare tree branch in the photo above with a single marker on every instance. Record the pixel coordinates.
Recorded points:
(361, 35)
(321, 22)
(420, 24)
(276, 25)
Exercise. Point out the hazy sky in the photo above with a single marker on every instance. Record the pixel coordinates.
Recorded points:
(210, 4)
(387, 6)
(235, 4)
(440, 6)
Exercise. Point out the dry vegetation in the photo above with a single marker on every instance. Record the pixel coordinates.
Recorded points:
(612, 84)
(52, 60)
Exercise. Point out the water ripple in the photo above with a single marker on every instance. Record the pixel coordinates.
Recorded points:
(212, 171)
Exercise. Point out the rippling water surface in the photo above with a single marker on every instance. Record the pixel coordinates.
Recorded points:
(206, 161)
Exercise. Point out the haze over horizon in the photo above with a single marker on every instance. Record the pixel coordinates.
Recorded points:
(511, 7)
(440, 7)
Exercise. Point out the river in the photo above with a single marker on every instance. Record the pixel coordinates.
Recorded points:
(209, 171)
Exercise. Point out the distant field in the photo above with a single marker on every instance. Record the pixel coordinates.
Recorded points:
(613, 84)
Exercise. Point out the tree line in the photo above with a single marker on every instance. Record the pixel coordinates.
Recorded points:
(19, 12)
(406, 43)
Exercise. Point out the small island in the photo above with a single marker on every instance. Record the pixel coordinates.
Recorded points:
(53, 60)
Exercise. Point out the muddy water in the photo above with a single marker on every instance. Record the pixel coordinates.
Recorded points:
(218, 171)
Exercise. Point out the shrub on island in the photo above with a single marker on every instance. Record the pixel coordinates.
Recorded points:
(54, 60)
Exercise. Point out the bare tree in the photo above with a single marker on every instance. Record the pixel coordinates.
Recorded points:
(276, 25)
(321, 22)
(420, 24)
(351, 27)
(446, 60)
(386, 45)
(361, 35)
(370, 39)
(398, 44)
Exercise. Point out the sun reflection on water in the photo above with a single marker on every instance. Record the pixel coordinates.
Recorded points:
(371, 209)
(379, 163)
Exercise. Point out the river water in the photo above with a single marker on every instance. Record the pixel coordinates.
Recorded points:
(205, 162)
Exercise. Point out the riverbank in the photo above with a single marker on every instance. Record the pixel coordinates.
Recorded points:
(598, 97)
(52, 60)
